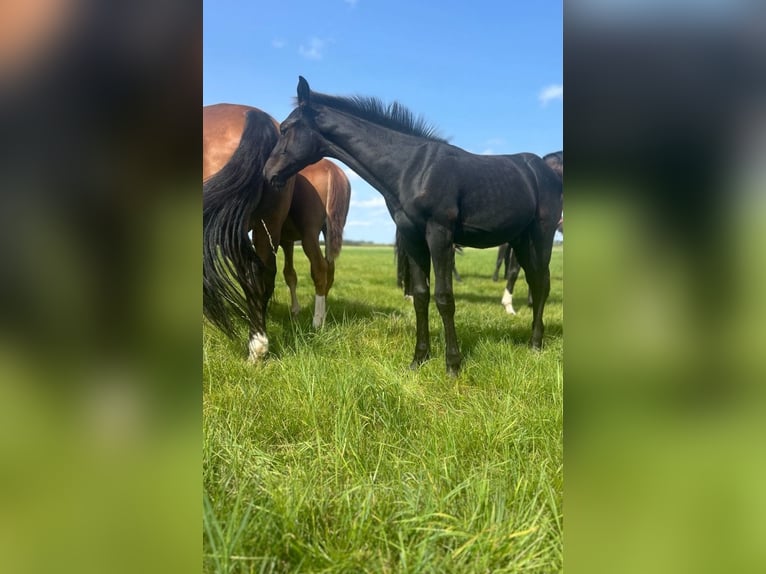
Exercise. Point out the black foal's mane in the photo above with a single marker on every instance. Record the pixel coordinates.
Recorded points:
(394, 115)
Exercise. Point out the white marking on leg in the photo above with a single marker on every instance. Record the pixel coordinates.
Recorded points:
(507, 302)
(319, 311)
(259, 346)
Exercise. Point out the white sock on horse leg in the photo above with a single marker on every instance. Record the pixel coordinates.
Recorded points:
(507, 302)
(319, 311)
(258, 346)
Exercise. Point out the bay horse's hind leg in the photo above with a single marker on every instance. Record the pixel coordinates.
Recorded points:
(319, 272)
(258, 342)
(291, 277)
(330, 264)
(266, 242)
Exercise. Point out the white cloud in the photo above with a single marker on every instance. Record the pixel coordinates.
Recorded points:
(350, 2)
(314, 50)
(376, 223)
(552, 92)
(367, 203)
(278, 43)
(352, 175)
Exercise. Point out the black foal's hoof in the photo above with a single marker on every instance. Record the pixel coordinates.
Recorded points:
(535, 345)
(417, 361)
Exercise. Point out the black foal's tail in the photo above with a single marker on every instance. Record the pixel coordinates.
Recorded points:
(403, 280)
(230, 267)
(555, 161)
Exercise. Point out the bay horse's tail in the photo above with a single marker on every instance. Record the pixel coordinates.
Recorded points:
(230, 267)
(338, 199)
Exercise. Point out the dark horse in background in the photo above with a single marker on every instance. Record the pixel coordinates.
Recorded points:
(239, 272)
(436, 193)
(505, 254)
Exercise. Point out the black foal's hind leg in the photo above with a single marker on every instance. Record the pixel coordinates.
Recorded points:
(514, 267)
(538, 277)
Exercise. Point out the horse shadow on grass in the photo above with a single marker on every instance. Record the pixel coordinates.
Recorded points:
(519, 298)
(286, 331)
(516, 333)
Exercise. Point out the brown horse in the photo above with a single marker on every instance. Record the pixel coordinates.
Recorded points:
(321, 196)
(238, 279)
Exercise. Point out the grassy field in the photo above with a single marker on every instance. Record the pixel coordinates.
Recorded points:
(332, 456)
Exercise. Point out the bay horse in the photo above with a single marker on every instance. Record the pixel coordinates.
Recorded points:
(238, 279)
(436, 193)
(321, 198)
(239, 272)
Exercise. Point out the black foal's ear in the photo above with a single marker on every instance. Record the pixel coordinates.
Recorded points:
(304, 92)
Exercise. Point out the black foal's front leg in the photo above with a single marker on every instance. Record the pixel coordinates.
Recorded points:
(420, 271)
(443, 256)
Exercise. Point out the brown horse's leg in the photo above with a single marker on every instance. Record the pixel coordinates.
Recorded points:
(443, 257)
(265, 247)
(330, 276)
(291, 277)
(313, 251)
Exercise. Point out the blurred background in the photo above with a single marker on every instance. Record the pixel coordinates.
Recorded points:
(100, 354)
(665, 133)
(100, 293)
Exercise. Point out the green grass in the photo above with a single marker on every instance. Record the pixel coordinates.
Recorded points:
(332, 456)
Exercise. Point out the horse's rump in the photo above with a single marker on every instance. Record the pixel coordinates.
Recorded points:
(230, 194)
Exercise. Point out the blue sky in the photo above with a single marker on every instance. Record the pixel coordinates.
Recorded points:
(488, 74)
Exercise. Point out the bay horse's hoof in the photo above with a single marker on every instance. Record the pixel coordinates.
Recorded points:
(258, 347)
